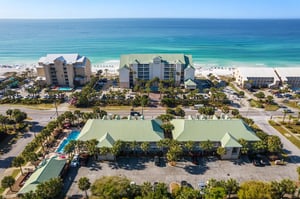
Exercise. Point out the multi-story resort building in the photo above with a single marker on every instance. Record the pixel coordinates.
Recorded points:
(247, 77)
(135, 67)
(221, 132)
(64, 69)
(289, 76)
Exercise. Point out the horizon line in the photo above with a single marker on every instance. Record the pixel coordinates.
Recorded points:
(209, 18)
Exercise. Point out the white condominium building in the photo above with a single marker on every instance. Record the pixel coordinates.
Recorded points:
(256, 77)
(289, 75)
(65, 69)
(135, 67)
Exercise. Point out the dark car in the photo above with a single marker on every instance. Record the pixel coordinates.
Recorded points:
(184, 183)
(156, 161)
(134, 113)
(257, 163)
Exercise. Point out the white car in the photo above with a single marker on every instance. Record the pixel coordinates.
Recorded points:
(74, 163)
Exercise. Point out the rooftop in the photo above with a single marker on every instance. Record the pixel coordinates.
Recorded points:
(257, 72)
(288, 72)
(48, 169)
(109, 131)
(128, 59)
(213, 130)
(67, 58)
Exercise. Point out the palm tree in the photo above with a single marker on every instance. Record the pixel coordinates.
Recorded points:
(145, 147)
(70, 147)
(84, 184)
(174, 151)
(168, 128)
(164, 143)
(91, 146)
(133, 146)
(221, 151)
(206, 146)
(78, 115)
(285, 111)
(231, 186)
(146, 188)
(9, 113)
(117, 147)
(31, 157)
(3, 121)
(161, 88)
(259, 146)
(245, 146)
(189, 145)
(8, 181)
(290, 118)
(104, 150)
(18, 162)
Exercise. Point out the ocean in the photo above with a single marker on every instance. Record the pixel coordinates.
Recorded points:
(211, 42)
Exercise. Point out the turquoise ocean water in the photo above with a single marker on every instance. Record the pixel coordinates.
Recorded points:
(210, 41)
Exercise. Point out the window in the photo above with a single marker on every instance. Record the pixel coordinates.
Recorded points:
(235, 150)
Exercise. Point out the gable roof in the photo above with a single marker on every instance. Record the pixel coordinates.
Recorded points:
(108, 131)
(106, 141)
(229, 141)
(190, 82)
(51, 168)
(128, 59)
(213, 130)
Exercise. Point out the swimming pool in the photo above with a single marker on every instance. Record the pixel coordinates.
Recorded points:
(72, 136)
(65, 89)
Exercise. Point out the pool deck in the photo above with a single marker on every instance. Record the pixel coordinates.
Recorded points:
(67, 133)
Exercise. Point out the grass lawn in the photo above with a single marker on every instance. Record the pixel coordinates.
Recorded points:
(39, 106)
(285, 133)
(32, 106)
(270, 107)
(15, 173)
(233, 87)
(256, 104)
(1, 190)
(292, 104)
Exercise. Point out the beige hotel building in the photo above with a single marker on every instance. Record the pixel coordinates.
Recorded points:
(68, 70)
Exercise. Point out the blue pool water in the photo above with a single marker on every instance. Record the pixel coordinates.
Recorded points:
(65, 89)
(72, 136)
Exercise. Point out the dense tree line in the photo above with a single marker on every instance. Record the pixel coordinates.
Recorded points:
(121, 187)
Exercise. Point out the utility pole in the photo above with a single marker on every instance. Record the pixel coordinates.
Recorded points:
(56, 112)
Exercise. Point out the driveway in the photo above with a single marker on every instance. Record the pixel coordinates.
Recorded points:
(143, 169)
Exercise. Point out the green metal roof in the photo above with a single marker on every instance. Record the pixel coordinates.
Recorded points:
(108, 131)
(190, 82)
(128, 59)
(48, 169)
(106, 141)
(229, 141)
(213, 130)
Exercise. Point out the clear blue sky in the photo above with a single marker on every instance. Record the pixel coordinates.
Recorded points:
(150, 9)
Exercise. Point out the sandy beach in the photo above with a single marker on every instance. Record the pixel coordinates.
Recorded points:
(111, 68)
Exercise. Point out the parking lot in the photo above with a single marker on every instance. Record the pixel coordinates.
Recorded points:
(142, 169)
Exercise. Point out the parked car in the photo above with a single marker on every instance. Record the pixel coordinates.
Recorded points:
(75, 161)
(287, 110)
(257, 163)
(134, 113)
(201, 186)
(156, 161)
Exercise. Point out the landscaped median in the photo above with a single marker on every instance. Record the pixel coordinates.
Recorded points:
(285, 132)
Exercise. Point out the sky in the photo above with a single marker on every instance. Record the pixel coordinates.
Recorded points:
(150, 9)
